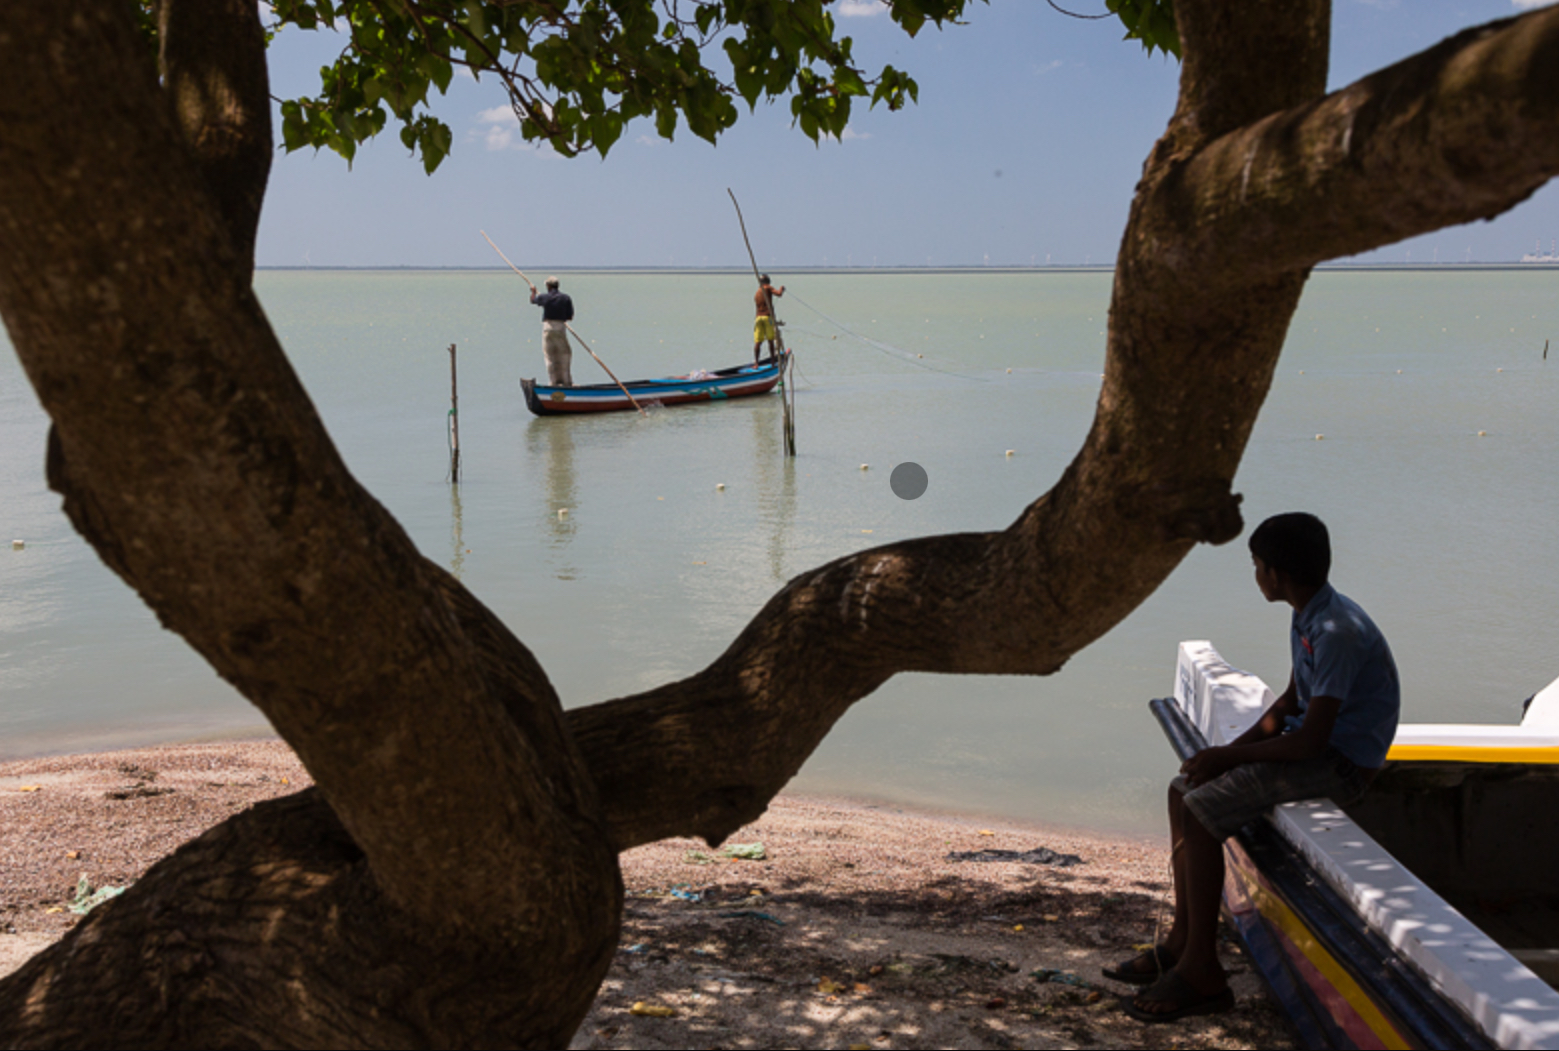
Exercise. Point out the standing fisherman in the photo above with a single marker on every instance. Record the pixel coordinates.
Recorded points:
(763, 328)
(557, 310)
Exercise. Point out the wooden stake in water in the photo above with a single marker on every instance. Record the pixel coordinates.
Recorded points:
(454, 421)
(787, 391)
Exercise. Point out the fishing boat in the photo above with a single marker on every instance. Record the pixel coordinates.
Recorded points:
(1425, 916)
(739, 381)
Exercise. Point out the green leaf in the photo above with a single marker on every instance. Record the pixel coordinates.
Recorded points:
(580, 71)
(1150, 21)
(849, 82)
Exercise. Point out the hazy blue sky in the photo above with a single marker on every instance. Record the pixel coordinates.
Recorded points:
(1028, 138)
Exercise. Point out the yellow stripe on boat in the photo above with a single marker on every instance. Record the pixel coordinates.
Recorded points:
(1460, 753)
(1277, 911)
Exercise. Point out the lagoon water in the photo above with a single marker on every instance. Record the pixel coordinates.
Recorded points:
(1450, 539)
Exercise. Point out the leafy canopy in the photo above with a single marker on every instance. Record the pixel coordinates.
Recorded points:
(577, 71)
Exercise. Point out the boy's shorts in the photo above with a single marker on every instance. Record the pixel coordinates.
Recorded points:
(1236, 797)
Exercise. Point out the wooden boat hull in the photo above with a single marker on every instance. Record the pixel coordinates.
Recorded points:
(739, 381)
(1375, 927)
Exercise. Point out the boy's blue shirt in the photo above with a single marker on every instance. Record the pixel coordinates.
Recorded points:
(1339, 652)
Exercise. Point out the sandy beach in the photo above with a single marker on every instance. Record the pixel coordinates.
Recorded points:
(856, 927)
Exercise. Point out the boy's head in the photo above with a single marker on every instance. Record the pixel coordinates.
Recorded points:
(1294, 544)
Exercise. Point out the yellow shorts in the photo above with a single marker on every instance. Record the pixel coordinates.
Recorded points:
(763, 329)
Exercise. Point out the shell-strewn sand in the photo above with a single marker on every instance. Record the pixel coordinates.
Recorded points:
(855, 931)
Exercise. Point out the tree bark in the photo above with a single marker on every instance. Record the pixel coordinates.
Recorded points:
(1197, 321)
(191, 458)
(461, 817)
(215, 79)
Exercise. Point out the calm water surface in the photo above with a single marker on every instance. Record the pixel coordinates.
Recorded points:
(1446, 537)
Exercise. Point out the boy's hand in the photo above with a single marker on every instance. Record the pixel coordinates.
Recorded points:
(1206, 765)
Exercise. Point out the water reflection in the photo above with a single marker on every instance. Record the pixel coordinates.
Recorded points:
(551, 440)
(776, 485)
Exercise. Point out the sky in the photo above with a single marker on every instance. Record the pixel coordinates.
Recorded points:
(1023, 150)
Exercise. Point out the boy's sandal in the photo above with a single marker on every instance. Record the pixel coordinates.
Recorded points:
(1143, 969)
(1173, 989)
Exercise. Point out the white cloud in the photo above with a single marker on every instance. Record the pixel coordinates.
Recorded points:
(502, 132)
(1531, 5)
(849, 135)
(502, 128)
(647, 140)
(1048, 67)
(861, 8)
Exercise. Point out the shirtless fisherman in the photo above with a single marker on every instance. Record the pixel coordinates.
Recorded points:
(763, 328)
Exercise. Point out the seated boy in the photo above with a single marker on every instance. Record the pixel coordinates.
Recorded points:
(1326, 736)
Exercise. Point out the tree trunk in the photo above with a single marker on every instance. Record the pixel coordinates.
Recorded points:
(453, 879)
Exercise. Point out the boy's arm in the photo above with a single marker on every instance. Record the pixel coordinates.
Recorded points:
(1307, 742)
(1271, 722)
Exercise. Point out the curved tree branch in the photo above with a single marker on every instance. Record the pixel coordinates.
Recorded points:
(467, 815)
(191, 458)
(1256, 179)
(1184, 378)
(1463, 131)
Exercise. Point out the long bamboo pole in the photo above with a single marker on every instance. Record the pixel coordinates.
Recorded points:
(570, 328)
(601, 363)
(785, 389)
(505, 258)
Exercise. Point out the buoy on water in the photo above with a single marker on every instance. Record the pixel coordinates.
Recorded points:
(17, 545)
(1483, 434)
(865, 466)
(1011, 451)
(720, 487)
(1320, 437)
(562, 512)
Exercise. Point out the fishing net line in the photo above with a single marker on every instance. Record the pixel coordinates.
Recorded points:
(897, 353)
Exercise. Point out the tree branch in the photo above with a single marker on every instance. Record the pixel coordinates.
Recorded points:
(1463, 131)
(213, 71)
(1185, 376)
(191, 458)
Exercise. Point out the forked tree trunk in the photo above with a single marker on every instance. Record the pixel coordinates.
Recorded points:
(453, 879)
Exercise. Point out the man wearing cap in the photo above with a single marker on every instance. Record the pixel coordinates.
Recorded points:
(557, 310)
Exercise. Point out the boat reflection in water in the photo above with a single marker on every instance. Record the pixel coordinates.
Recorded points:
(1425, 916)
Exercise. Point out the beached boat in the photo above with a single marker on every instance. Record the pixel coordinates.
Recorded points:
(739, 381)
(1427, 915)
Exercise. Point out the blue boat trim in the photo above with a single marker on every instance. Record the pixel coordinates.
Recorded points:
(735, 382)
